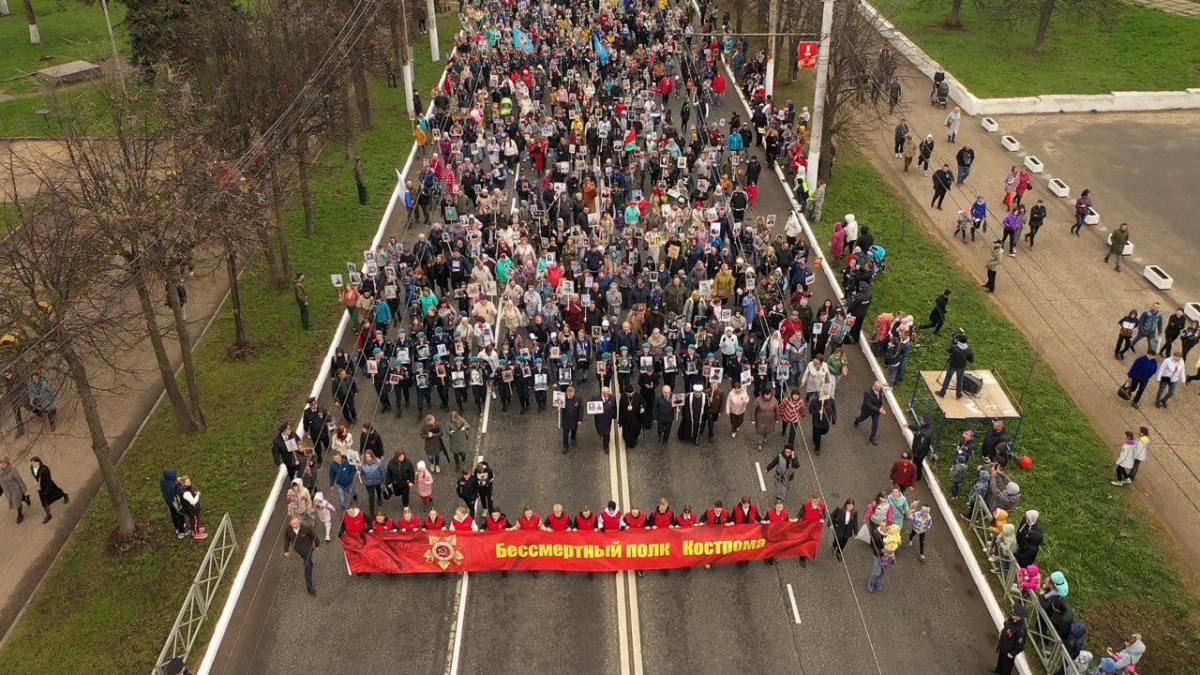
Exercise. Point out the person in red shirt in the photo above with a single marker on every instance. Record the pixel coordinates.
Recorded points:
(496, 522)
(686, 517)
(434, 521)
(381, 524)
(636, 520)
(408, 521)
(354, 522)
(813, 511)
(746, 512)
(462, 520)
(587, 521)
(717, 516)
(790, 326)
(662, 516)
(611, 519)
(904, 473)
(529, 520)
(558, 520)
(779, 513)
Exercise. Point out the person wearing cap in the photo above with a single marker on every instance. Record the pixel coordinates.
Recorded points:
(1011, 641)
(694, 414)
(316, 423)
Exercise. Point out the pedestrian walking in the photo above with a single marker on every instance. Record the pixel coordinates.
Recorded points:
(964, 158)
(823, 418)
(900, 135)
(922, 521)
(844, 523)
(953, 121)
(301, 300)
(1126, 328)
(664, 415)
(872, 407)
(1174, 331)
(14, 398)
(169, 486)
(1082, 206)
(1010, 187)
(903, 474)
(1037, 217)
(41, 397)
(937, 315)
(570, 418)
(993, 264)
(302, 540)
(1150, 324)
(424, 485)
(360, 181)
(735, 406)
(926, 151)
(791, 409)
(12, 486)
(766, 413)
(1144, 367)
(400, 477)
(784, 465)
(604, 417)
(909, 152)
(1170, 373)
(1116, 244)
(435, 447)
(942, 180)
(190, 497)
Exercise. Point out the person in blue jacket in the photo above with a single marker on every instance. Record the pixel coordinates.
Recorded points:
(1143, 368)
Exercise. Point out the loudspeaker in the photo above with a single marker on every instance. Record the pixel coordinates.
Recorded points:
(972, 384)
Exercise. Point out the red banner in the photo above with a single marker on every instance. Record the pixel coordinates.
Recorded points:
(403, 553)
(806, 54)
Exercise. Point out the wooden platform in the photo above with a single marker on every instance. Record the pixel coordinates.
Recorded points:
(991, 402)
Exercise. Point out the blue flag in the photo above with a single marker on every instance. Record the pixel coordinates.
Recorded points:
(522, 41)
(601, 50)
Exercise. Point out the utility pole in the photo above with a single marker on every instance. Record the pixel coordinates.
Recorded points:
(431, 20)
(406, 65)
(772, 25)
(113, 42)
(818, 117)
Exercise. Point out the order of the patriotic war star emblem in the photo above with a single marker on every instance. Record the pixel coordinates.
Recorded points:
(443, 551)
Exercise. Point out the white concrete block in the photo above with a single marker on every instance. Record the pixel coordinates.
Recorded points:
(1010, 143)
(1058, 187)
(1034, 164)
(1158, 277)
(1092, 217)
(990, 125)
(1192, 310)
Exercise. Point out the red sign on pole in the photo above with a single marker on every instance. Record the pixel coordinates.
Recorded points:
(402, 553)
(806, 54)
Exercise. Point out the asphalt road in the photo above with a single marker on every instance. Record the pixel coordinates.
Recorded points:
(729, 619)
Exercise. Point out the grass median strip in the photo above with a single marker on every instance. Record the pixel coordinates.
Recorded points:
(1145, 49)
(1121, 579)
(110, 614)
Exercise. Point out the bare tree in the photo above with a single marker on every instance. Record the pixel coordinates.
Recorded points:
(57, 286)
(1012, 11)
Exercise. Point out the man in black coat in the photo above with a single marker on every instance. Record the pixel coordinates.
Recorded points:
(859, 303)
(370, 441)
(400, 475)
(664, 414)
(604, 419)
(301, 539)
(572, 417)
(942, 180)
(937, 315)
(960, 356)
(285, 449)
(872, 406)
(316, 425)
(1011, 642)
(996, 444)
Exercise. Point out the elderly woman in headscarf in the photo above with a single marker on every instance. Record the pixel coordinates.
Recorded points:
(1029, 538)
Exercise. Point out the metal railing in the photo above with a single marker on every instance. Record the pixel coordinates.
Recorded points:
(1042, 638)
(190, 621)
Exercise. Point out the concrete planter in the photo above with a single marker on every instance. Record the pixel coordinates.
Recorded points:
(990, 125)
(1092, 217)
(1059, 188)
(1128, 250)
(1158, 277)
(1192, 310)
(1010, 143)
(1034, 164)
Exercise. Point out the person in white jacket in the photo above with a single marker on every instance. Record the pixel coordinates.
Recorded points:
(793, 229)
(816, 376)
(851, 228)
(1170, 373)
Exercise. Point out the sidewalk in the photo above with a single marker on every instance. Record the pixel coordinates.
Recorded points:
(1061, 295)
(30, 548)
(1180, 7)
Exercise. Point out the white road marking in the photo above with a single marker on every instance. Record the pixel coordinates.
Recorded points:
(758, 469)
(463, 585)
(795, 610)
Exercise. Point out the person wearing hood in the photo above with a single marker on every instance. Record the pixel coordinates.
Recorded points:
(926, 151)
(323, 509)
(1029, 539)
(1006, 498)
(1006, 546)
(299, 502)
(961, 356)
(1012, 640)
(169, 485)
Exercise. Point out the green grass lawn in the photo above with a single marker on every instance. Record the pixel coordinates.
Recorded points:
(23, 116)
(1147, 50)
(70, 31)
(102, 614)
(1121, 579)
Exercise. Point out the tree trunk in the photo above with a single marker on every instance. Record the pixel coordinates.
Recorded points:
(35, 37)
(183, 414)
(310, 225)
(794, 64)
(268, 249)
(360, 89)
(396, 33)
(104, 458)
(955, 18)
(738, 8)
(280, 226)
(1043, 24)
(185, 351)
(235, 294)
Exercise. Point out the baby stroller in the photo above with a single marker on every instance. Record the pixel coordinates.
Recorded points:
(876, 254)
(940, 96)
